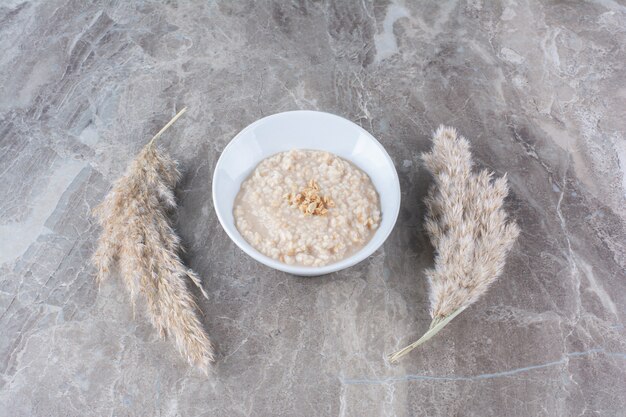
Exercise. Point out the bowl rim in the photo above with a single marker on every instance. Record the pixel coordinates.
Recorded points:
(351, 260)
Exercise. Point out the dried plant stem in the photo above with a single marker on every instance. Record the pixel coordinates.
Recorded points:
(436, 325)
(167, 126)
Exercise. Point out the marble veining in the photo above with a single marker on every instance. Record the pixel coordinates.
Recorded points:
(539, 87)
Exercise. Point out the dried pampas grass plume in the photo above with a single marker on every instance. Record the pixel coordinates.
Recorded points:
(467, 227)
(139, 240)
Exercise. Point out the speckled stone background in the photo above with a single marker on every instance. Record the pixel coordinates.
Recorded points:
(538, 86)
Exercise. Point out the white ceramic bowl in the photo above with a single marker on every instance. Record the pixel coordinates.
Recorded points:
(305, 130)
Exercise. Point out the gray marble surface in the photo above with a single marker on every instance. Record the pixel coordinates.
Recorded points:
(538, 86)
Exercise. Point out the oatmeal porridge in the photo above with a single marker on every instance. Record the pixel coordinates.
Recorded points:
(306, 207)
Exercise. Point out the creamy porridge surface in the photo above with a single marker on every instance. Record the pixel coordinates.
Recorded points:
(307, 207)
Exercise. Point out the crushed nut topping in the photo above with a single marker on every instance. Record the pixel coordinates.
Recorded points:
(309, 202)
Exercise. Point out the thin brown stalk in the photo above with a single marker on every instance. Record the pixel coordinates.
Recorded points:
(138, 239)
(467, 227)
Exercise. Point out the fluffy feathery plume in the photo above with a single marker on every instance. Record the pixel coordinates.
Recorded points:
(467, 227)
(138, 239)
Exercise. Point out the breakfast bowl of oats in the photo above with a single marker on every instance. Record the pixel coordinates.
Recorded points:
(305, 192)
